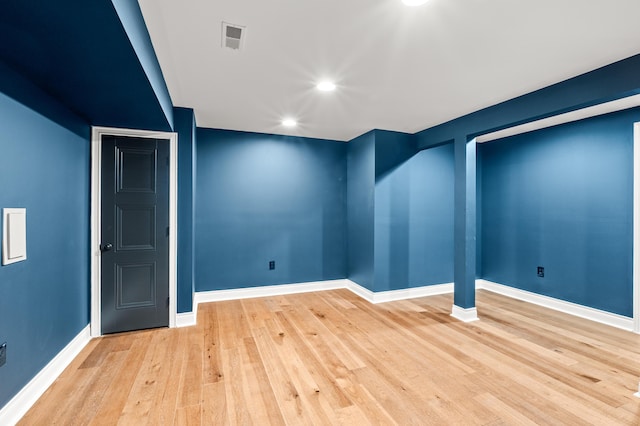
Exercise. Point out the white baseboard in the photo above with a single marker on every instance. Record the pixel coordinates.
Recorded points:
(17, 407)
(358, 290)
(186, 319)
(619, 321)
(581, 311)
(278, 290)
(464, 315)
(401, 294)
(265, 291)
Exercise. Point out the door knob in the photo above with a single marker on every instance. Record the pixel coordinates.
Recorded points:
(106, 247)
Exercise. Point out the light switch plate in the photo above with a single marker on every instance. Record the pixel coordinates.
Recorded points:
(14, 235)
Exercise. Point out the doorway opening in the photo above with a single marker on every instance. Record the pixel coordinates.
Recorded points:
(98, 135)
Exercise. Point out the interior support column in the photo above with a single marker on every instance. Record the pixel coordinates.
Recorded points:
(464, 299)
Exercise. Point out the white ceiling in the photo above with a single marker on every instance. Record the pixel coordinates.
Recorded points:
(396, 67)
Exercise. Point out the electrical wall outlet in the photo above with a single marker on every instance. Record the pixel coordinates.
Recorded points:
(541, 271)
(3, 354)
(272, 265)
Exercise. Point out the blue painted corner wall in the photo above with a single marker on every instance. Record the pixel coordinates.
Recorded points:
(185, 127)
(360, 208)
(414, 222)
(392, 149)
(400, 212)
(263, 198)
(44, 167)
(562, 198)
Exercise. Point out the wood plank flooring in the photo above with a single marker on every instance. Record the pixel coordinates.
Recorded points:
(332, 358)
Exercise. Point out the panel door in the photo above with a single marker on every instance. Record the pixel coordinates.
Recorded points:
(135, 234)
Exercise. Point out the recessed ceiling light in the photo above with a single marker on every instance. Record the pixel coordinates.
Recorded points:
(326, 86)
(414, 2)
(289, 122)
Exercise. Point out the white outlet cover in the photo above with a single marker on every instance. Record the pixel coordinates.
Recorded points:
(14, 235)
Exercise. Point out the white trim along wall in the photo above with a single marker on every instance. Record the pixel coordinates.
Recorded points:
(592, 314)
(585, 312)
(96, 162)
(18, 406)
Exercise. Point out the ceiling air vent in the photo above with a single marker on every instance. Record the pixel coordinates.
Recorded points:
(232, 36)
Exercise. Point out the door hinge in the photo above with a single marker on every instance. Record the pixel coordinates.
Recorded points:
(167, 231)
(167, 301)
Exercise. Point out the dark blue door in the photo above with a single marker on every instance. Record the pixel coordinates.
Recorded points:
(135, 233)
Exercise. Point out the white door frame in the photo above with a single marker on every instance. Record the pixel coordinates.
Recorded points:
(96, 164)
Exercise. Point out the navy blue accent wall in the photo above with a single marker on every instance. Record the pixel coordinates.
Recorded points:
(265, 197)
(133, 22)
(90, 57)
(562, 198)
(44, 166)
(413, 216)
(360, 208)
(184, 124)
(392, 150)
(16, 87)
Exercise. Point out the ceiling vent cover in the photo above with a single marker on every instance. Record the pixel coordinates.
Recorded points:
(233, 36)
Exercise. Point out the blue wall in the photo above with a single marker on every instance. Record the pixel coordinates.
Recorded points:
(265, 197)
(185, 126)
(400, 212)
(392, 149)
(44, 301)
(133, 23)
(95, 60)
(562, 198)
(414, 221)
(360, 208)
(613, 81)
(15, 86)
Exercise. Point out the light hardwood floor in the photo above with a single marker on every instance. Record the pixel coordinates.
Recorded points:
(332, 358)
